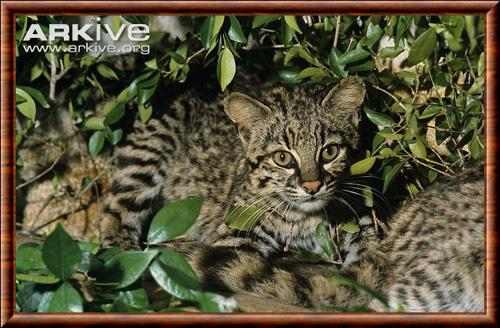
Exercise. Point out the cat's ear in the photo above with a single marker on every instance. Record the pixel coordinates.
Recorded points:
(244, 110)
(347, 95)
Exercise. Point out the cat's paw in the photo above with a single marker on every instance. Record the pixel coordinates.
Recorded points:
(128, 240)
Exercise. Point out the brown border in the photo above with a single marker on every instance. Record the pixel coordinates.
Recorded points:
(11, 8)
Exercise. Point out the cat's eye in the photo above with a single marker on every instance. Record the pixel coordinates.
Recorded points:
(283, 158)
(329, 153)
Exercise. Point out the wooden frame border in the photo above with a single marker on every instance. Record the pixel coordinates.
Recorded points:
(361, 7)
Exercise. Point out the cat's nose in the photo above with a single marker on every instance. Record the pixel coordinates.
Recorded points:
(311, 187)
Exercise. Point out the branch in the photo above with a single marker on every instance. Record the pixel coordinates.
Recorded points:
(337, 28)
(22, 185)
(54, 76)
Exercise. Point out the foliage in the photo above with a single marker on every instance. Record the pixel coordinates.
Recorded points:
(428, 109)
(64, 275)
(425, 82)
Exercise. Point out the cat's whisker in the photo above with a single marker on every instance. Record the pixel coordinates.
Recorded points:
(343, 201)
(356, 191)
(257, 216)
(275, 206)
(376, 192)
(246, 208)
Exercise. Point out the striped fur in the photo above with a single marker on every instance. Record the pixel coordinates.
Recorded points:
(431, 261)
(224, 150)
(194, 148)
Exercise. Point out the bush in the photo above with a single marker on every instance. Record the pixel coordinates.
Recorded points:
(425, 79)
(64, 275)
(428, 108)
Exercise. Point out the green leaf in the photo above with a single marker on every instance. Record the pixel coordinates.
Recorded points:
(179, 59)
(288, 34)
(61, 253)
(66, 299)
(210, 302)
(135, 300)
(152, 64)
(407, 77)
(391, 173)
(402, 26)
(26, 107)
(418, 149)
(366, 66)
(108, 253)
(235, 32)
(353, 56)
(106, 71)
(362, 166)
(209, 30)
(145, 113)
(131, 91)
(218, 22)
(454, 24)
(242, 218)
(93, 245)
(432, 175)
(226, 68)
(175, 275)
(29, 296)
(116, 136)
(378, 118)
(29, 257)
(90, 262)
(206, 32)
(42, 279)
(94, 123)
(45, 301)
(324, 240)
(37, 70)
(262, 20)
(137, 19)
(147, 87)
(351, 227)
(475, 148)
(391, 135)
(333, 61)
(423, 47)
(292, 52)
(480, 65)
(174, 220)
(289, 75)
(125, 268)
(292, 22)
(309, 257)
(390, 52)
(116, 23)
(430, 111)
(115, 114)
(297, 50)
(373, 34)
(96, 143)
(385, 153)
(368, 199)
(312, 72)
(346, 281)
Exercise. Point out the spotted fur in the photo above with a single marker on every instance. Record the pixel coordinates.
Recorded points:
(224, 150)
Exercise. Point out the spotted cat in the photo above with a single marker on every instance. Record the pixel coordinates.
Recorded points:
(287, 153)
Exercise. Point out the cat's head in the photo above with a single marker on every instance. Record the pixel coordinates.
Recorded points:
(298, 140)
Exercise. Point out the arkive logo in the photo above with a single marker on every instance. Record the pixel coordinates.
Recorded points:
(86, 39)
(76, 32)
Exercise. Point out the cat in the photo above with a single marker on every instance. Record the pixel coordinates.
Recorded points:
(433, 257)
(287, 154)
